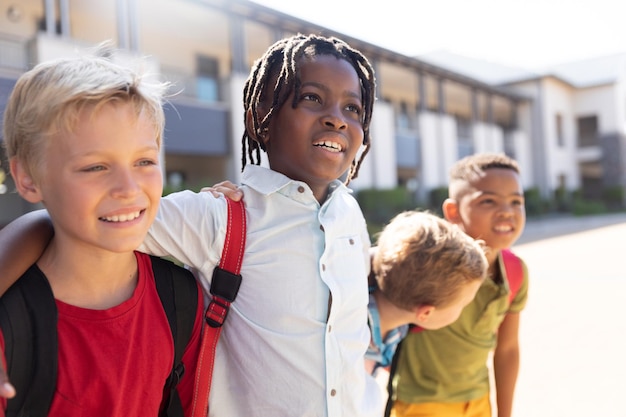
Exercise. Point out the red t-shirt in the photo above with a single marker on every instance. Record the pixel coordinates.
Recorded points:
(115, 362)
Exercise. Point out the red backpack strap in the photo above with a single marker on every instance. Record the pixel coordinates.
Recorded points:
(415, 329)
(224, 287)
(514, 272)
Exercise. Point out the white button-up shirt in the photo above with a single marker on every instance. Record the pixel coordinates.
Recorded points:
(282, 352)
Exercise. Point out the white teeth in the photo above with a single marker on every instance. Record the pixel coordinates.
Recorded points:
(332, 146)
(122, 217)
(504, 228)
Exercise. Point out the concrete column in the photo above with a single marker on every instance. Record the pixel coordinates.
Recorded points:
(514, 117)
(123, 36)
(51, 16)
(441, 96)
(133, 25)
(489, 109)
(475, 107)
(421, 82)
(64, 10)
(239, 62)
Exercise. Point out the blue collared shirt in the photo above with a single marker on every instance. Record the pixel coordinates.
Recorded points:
(379, 350)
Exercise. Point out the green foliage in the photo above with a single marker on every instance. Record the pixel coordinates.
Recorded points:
(168, 189)
(586, 207)
(535, 205)
(562, 200)
(380, 206)
(614, 197)
(437, 197)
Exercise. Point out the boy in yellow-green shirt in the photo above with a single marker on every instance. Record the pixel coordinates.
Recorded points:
(445, 372)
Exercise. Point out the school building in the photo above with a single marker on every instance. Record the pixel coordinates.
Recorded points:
(566, 128)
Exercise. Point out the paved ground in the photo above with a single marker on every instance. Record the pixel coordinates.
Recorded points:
(573, 331)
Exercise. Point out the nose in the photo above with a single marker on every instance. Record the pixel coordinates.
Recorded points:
(506, 210)
(334, 118)
(125, 184)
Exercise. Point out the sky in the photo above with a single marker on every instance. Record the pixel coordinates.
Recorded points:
(526, 34)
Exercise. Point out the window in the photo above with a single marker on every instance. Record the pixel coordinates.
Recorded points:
(588, 131)
(207, 75)
(509, 144)
(465, 142)
(403, 117)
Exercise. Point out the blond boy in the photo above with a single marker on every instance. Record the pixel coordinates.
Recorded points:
(425, 270)
(83, 137)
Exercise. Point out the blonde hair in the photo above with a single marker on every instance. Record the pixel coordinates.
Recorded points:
(422, 259)
(48, 99)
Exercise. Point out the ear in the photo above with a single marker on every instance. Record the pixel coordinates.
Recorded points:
(26, 186)
(450, 210)
(263, 138)
(423, 313)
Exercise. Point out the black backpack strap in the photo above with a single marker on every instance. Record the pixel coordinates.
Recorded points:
(28, 317)
(178, 292)
(392, 372)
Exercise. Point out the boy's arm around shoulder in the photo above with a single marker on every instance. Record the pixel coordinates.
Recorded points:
(22, 242)
(188, 227)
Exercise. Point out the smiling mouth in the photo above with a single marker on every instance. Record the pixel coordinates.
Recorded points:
(330, 146)
(122, 217)
(504, 228)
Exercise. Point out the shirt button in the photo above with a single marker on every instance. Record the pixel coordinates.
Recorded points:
(300, 189)
(333, 392)
(323, 267)
(321, 227)
(351, 241)
(330, 328)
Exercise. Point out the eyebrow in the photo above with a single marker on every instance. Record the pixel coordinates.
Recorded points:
(324, 87)
(488, 192)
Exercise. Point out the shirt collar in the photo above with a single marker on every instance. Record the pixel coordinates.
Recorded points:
(267, 181)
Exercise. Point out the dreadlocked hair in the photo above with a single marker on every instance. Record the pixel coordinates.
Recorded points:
(282, 58)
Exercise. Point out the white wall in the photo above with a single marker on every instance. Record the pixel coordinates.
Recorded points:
(522, 141)
(438, 148)
(487, 138)
(449, 148)
(427, 122)
(379, 167)
(561, 160)
(521, 144)
(235, 100)
(602, 101)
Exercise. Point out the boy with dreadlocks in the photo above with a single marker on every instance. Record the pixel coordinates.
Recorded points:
(296, 335)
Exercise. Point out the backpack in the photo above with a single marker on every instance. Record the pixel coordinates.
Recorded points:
(515, 276)
(29, 326)
(514, 272)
